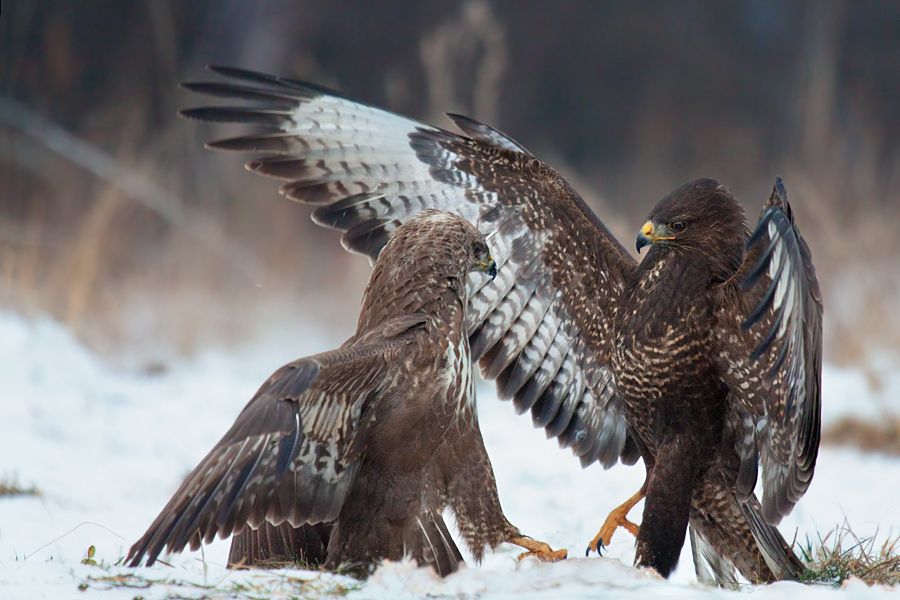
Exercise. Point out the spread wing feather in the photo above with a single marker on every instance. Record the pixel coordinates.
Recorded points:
(542, 328)
(292, 453)
(769, 338)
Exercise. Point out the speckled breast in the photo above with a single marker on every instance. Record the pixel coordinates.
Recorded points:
(661, 365)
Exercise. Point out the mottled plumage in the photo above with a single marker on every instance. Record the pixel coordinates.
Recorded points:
(350, 456)
(701, 359)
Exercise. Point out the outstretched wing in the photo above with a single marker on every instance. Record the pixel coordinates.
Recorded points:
(769, 338)
(291, 455)
(542, 328)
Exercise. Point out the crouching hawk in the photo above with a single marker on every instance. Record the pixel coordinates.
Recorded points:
(349, 457)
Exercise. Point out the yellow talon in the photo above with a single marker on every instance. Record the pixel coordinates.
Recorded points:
(618, 517)
(540, 550)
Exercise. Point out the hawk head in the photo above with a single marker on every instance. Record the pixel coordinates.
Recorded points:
(447, 242)
(702, 218)
(428, 254)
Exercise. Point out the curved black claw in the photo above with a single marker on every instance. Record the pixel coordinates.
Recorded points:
(587, 551)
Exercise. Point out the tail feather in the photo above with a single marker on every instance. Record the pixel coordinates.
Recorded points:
(433, 546)
(775, 550)
(271, 546)
(705, 558)
(731, 532)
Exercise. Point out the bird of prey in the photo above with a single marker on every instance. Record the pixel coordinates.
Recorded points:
(349, 457)
(704, 359)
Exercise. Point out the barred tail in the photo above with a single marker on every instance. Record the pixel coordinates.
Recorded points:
(271, 546)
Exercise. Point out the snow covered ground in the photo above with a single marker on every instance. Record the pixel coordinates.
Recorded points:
(107, 447)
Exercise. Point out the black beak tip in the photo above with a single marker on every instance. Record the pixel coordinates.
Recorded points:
(492, 271)
(640, 242)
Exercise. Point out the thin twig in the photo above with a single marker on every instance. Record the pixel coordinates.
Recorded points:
(56, 539)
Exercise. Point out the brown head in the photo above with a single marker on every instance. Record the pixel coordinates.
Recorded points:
(700, 218)
(424, 264)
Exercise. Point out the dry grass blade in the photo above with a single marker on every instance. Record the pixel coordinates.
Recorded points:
(842, 554)
(267, 585)
(10, 487)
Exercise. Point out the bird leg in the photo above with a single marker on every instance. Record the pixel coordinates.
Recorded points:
(617, 518)
(538, 549)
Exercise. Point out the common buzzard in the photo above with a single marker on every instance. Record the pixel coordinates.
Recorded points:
(349, 457)
(704, 359)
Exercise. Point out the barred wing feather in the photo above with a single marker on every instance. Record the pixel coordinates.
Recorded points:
(290, 456)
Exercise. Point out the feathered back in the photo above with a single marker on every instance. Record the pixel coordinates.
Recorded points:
(422, 268)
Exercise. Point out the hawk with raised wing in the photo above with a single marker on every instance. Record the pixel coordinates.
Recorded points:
(349, 457)
(704, 359)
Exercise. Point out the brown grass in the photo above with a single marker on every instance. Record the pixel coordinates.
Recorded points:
(10, 487)
(881, 436)
(841, 554)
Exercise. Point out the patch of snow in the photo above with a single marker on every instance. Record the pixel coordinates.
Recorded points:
(852, 393)
(107, 448)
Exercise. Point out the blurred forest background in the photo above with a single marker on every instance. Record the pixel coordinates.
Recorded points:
(116, 221)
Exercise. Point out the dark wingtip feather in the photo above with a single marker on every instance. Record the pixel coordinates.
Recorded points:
(277, 143)
(547, 406)
(286, 168)
(494, 361)
(485, 133)
(247, 75)
(759, 267)
(370, 237)
(561, 421)
(761, 227)
(527, 397)
(780, 187)
(239, 73)
(237, 114)
(316, 191)
(761, 308)
(313, 89)
(779, 194)
(630, 453)
(348, 212)
(768, 339)
(230, 90)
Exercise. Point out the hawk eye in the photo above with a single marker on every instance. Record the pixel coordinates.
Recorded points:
(678, 226)
(479, 248)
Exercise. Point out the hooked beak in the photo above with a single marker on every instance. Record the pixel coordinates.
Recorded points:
(649, 234)
(488, 266)
(644, 236)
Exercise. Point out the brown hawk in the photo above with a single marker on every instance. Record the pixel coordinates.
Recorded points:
(349, 457)
(704, 359)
